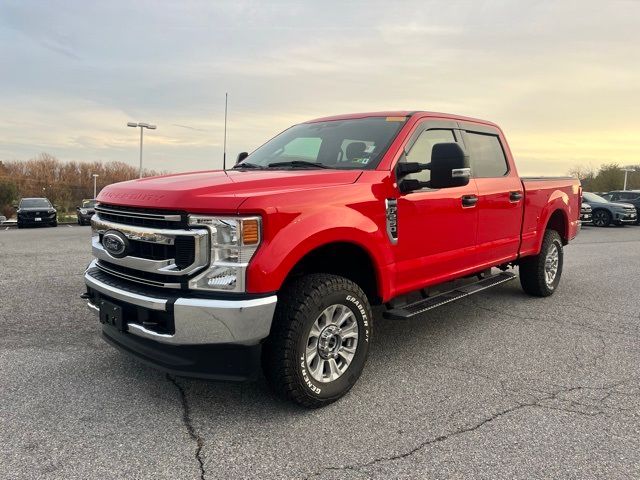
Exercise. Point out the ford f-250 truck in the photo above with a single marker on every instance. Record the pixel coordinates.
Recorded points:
(278, 261)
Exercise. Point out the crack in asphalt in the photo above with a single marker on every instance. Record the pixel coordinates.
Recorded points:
(356, 468)
(556, 321)
(186, 419)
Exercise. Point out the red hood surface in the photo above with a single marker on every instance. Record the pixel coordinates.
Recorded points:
(218, 191)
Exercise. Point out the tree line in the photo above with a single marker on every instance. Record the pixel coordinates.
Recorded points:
(608, 177)
(65, 184)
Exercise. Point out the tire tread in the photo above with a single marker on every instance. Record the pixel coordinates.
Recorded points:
(295, 304)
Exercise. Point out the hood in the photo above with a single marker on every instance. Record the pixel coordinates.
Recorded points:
(216, 190)
(611, 204)
(621, 205)
(35, 209)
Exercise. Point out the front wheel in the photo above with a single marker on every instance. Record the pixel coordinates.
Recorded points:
(540, 274)
(319, 341)
(601, 218)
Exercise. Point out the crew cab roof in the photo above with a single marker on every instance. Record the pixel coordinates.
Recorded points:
(402, 113)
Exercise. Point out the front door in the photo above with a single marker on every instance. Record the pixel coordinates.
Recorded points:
(436, 228)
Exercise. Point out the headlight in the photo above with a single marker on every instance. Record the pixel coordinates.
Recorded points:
(83, 211)
(234, 240)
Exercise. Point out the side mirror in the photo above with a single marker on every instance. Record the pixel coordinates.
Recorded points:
(15, 205)
(241, 156)
(449, 166)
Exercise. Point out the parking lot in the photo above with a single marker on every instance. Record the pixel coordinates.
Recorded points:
(500, 385)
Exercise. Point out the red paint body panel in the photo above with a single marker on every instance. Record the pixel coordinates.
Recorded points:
(438, 238)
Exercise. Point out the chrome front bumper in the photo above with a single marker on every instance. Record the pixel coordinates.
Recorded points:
(197, 321)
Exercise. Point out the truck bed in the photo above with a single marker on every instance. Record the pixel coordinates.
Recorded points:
(543, 195)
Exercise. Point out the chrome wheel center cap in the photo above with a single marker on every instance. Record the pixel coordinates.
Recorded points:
(329, 342)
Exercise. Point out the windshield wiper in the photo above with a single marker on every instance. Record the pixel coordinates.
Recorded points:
(248, 165)
(297, 163)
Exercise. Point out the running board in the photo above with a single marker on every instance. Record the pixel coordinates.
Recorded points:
(410, 310)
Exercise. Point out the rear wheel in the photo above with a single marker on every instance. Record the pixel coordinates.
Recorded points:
(319, 341)
(540, 274)
(601, 218)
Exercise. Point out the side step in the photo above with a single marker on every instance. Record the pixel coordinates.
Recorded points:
(410, 310)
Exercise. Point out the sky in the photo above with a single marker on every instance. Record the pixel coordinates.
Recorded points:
(562, 78)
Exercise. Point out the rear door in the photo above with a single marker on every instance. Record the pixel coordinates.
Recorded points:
(436, 228)
(500, 195)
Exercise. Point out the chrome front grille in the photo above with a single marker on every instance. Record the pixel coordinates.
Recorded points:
(160, 257)
(142, 217)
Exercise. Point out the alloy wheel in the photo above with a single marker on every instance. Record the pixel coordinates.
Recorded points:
(551, 264)
(332, 343)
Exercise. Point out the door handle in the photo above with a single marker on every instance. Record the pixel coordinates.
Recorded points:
(515, 196)
(469, 200)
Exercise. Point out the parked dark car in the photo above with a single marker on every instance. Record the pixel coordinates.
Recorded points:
(35, 212)
(586, 213)
(606, 213)
(86, 211)
(628, 196)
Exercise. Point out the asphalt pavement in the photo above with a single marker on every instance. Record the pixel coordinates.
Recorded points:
(499, 385)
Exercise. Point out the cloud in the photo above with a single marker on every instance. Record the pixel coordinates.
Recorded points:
(562, 78)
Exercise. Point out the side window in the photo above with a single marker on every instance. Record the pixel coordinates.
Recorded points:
(486, 156)
(306, 148)
(421, 150)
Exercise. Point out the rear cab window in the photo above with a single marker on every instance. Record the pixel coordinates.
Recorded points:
(486, 155)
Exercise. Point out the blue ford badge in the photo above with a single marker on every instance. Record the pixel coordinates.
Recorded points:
(115, 243)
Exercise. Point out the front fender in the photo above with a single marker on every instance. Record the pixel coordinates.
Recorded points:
(298, 234)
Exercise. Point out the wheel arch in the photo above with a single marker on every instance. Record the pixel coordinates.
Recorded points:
(559, 222)
(347, 259)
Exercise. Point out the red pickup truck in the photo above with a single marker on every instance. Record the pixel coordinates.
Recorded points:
(277, 262)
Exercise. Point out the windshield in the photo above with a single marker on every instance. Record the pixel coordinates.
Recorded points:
(88, 203)
(34, 203)
(346, 144)
(592, 197)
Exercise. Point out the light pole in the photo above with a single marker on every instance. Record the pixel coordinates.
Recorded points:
(95, 175)
(626, 171)
(142, 127)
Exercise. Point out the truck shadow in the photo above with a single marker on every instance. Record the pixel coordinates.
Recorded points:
(397, 346)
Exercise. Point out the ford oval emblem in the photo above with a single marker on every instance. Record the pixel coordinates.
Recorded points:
(115, 243)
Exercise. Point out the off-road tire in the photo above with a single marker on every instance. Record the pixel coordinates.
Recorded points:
(300, 303)
(532, 269)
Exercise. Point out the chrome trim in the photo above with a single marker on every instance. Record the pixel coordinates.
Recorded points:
(461, 173)
(149, 235)
(198, 320)
(133, 278)
(147, 216)
(145, 301)
(391, 214)
(164, 236)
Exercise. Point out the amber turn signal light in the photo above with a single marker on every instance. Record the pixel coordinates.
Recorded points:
(250, 233)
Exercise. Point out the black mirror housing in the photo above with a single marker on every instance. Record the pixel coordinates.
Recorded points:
(241, 156)
(407, 168)
(449, 166)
